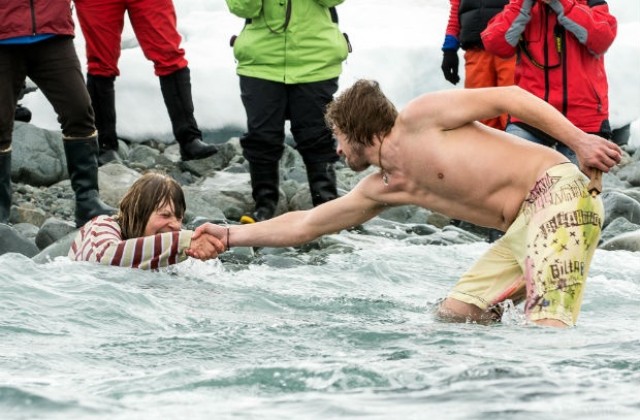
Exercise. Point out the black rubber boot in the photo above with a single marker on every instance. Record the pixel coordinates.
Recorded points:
(176, 92)
(82, 164)
(265, 181)
(103, 101)
(322, 182)
(5, 186)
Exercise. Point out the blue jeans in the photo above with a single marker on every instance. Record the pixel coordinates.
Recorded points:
(527, 135)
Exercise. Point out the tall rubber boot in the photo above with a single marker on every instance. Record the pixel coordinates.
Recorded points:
(82, 164)
(103, 101)
(5, 186)
(265, 181)
(322, 182)
(176, 92)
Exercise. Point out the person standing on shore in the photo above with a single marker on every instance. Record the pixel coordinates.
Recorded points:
(289, 56)
(467, 19)
(155, 25)
(560, 46)
(36, 40)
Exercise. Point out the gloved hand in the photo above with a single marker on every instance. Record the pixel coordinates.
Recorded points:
(449, 66)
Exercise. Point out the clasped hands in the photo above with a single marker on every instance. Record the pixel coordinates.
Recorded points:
(207, 242)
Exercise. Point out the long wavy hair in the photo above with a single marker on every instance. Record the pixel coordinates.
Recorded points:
(362, 112)
(150, 192)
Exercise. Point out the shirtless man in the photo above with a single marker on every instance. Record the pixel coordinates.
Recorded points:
(447, 162)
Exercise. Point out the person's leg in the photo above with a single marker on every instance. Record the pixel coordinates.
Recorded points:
(55, 68)
(176, 92)
(103, 100)
(495, 277)
(314, 140)
(12, 76)
(265, 103)
(563, 234)
(155, 25)
(102, 24)
(479, 72)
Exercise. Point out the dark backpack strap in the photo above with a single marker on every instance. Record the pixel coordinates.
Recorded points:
(334, 14)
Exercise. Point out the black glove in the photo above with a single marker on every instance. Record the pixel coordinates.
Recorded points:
(450, 66)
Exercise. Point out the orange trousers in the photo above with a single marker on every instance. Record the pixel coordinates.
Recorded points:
(482, 69)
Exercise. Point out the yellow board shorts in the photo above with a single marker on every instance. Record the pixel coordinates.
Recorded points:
(544, 256)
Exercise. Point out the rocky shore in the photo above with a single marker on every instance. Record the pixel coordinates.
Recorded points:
(218, 189)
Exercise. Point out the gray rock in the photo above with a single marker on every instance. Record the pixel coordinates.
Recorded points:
(114, 180)
(617, 227)
(38, 156)
(13, 241)
(57, 249)
(52, 230)
(629, 241)
(142, 157)
(617, 204)
(28, 230)
(226, 191)
(630, 173)
(27, 213)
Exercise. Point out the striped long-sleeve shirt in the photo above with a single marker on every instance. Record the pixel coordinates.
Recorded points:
(101, 241)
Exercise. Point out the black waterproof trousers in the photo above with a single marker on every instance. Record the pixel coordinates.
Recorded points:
(54, 67)
(269, 104)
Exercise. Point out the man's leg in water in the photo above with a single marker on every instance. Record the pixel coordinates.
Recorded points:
(495, 277)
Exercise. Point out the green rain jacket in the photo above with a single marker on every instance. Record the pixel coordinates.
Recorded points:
(309, 47)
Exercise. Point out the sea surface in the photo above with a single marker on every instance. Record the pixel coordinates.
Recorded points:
(343, 328)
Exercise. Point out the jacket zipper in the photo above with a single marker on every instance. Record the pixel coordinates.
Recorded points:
(33, 17)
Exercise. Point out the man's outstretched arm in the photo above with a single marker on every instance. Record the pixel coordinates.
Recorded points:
(299, 227)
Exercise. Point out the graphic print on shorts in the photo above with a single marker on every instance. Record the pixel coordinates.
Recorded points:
(563, 233)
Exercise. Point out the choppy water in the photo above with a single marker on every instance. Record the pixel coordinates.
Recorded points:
(343, 330)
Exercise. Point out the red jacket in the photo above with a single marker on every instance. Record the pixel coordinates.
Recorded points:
(35, 17)
(560, 50)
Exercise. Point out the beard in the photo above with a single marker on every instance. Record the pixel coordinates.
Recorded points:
(356, 160)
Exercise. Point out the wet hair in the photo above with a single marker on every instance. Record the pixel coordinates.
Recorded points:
(362, 112)
(150, 192)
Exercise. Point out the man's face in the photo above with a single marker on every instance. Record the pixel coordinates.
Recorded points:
(353, 153)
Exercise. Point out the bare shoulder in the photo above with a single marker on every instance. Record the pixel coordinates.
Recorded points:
(426, 110)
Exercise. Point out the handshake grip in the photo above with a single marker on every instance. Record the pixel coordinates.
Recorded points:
(450, 64)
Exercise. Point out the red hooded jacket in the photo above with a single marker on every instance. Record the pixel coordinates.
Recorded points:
(560, 49)
(35, 17)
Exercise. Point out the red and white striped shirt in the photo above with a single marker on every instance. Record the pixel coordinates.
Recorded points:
(100, 240)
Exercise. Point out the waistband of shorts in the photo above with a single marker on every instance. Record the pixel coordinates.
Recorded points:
(565, 170)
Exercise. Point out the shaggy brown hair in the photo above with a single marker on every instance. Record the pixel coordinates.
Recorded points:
(362, 112)
(150, 192)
